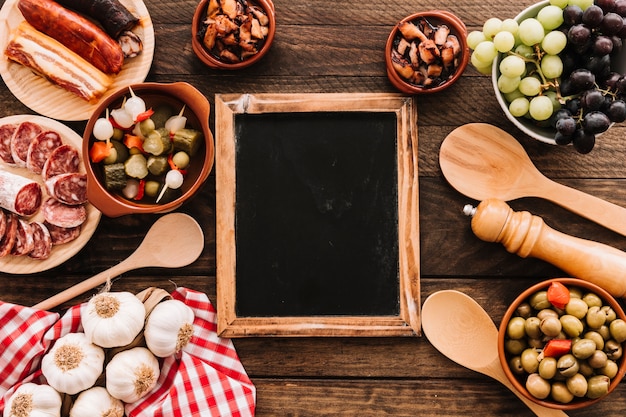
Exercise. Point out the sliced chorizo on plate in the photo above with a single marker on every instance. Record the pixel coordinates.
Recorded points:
(19, 194)
(61, 235)
(8, 240)
(24, 241)
(63, 215)
(41, 148)
(6, 134)
(3, 223)
(42, 246)
(68, 188)
(25, 133)
(63, 160)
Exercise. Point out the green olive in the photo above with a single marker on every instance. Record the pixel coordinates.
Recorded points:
(609, 313)
(515, 328)
(536, 343)
(515, 363)
(515, 346)
(613, 349)
(596, 337)
(560, 393)
(146, 126)
(537, 386)
(572, 326)
(547, 312)
(181, 159)
(151, 189)
(530, 361)
(586, 369)
(118, 134)
(576, 292)
(524, 310)
(111, 157)
(610, 369)
(604, 332)
(598, 386)
(592, 300)
(618, 330)
(531, 327)
(595, 317)
(577, 308)
(567, 365)
(547, 368)
(551, 326)
(597, 359)
(539, 300)
(577, 385)
(583, 348)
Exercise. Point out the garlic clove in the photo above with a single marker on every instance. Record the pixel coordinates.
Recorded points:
(73, 364)
(113, 319)
(32, 400)
(169, 328)
(131, 374)
(96, 401)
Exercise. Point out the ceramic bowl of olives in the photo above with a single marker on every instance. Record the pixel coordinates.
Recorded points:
(426, 52)
(561, 343)
(232, 34)
(149, 148)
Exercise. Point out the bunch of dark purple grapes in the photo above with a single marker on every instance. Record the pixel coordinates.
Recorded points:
(593, 90)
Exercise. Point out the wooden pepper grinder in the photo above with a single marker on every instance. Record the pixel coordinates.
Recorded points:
(527, 235)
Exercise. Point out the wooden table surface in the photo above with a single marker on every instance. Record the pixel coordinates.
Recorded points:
(326, 47)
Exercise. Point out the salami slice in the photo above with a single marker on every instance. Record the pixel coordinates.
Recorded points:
(63, 215)
(6, 134)
(19, 194)
(63, 160)
(8, 241)
(25, 133)
(40, 149)
(3, 223)
(61, 235)
(68, 188)
(42, 246)
(24, 241)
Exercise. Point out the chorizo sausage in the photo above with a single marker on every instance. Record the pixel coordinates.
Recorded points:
(20, 195)
(26, 132)
(63, 160)
(112, 15)
(74, 31)
(68, 188)
(63, 215)
(10, 235)
(40, 149)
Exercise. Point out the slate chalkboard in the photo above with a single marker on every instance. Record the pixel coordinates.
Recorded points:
(317, 214)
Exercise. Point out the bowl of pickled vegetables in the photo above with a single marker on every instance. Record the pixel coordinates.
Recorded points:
(149, 148)
(561, 343)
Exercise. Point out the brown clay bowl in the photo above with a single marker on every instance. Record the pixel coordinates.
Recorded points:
(212, 60)
(435, 18)
(519, 381)
(176, 95)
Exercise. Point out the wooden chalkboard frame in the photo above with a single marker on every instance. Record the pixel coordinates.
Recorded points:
(407, 322)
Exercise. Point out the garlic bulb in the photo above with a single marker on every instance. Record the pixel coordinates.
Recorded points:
(32, 400)
(113, 319)
(169, 328)
(96, 402)
(131, 374)
(73, 364)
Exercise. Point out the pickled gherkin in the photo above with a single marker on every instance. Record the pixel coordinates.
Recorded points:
(114, 176)
(157, 165)
(157, 143)
(136, 166)
(188, 140)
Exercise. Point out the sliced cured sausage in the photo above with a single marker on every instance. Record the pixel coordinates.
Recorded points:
(63, 215)
(40, 149)
(19, 194)
(63, 160)
(7, 242)
(68, 188)
(6, 134)
(25, 133)
(61, 235)
(24, 241)
(3, 223)
(42, 245)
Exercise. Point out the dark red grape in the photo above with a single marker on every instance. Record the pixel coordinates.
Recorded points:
(591, 100)
(617, 44)
(582, 79)
(611, 24)
(579, 34)
(572, 15)
(566, 126)
(600, 66)
(583, 142)
(595, 122)
(617, 111)
(573, 105)
(620, 85)
(605, 5)
(592, 16)
(603, 45)
(620, 7)
(610, 81)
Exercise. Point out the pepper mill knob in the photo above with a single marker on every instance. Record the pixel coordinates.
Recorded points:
(528, 236)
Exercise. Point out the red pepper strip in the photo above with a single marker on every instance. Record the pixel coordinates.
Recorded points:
(99, 151)
(558, 295)
(132, 141)
(141, 190)
(170, 161)
(144, 116)
(557, 347)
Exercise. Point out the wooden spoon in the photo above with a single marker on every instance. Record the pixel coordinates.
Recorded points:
(482, 161)
(174, 240)
(457, 326)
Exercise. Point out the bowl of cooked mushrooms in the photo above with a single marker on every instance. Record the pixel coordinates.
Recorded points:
(426, 52)
(232, 34)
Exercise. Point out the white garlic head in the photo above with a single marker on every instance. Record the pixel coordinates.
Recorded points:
(96, 402)
(32, 400)
(113, 319)
(73, 364)
(131, 374)
(169, 328)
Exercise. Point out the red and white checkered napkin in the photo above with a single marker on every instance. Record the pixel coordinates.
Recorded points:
(206, 379)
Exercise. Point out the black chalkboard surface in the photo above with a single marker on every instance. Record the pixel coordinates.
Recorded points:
(317, 214)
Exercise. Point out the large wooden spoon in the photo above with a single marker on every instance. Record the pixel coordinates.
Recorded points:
(482, 161)
(461, 329)
(174, 240)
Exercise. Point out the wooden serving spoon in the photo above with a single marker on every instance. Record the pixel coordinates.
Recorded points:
(457, 326)
(174, 240)
(482, 161)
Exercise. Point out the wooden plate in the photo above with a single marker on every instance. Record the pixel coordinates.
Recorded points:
(61, 253)
(52, 101)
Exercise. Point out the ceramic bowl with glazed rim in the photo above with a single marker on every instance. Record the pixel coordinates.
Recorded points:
(174, 97)
(207, 43)
(578, 366)
(406, 68)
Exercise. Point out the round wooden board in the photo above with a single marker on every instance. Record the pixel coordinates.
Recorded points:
(61, 253)
(52, 101)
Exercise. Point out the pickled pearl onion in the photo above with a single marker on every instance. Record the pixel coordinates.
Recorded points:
(123, 118)
(134, 105)
(175, 123)
(103, 128)
(173, 179)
